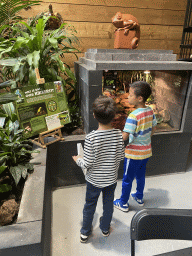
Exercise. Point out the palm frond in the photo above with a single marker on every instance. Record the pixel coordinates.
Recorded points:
(10, 8)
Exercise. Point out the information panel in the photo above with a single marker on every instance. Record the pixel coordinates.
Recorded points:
(42, 107)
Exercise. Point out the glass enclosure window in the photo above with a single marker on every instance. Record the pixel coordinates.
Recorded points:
(169, 89)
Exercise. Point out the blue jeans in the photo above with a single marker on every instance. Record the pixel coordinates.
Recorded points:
(92, 195)
(133, 169)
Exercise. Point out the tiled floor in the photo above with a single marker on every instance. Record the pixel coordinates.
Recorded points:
(169, 191)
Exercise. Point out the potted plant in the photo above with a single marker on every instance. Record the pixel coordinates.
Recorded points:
(15, 154)
(32, 46)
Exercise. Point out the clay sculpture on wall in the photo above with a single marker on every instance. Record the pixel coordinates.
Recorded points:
(127, 32)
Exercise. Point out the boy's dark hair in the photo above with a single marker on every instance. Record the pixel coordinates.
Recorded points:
(104, 109)
(142, 89)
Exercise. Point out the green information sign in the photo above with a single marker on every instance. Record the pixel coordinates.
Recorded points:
(42, 107)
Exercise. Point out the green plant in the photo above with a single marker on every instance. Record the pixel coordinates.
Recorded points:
(36, 48)
(9, 14)
(15, 153)
(10, 8)
(7, 97)
(109, 82)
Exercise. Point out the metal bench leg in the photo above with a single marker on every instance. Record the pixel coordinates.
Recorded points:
(132, 247)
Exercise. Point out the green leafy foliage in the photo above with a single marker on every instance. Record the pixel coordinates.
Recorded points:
(5, 188)
(7, 97)
(2, 168)
(15, 152)
(34, 47)
(10, 8)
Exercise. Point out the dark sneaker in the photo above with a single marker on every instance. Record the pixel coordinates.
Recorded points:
(83, 238)
(119, 205)
(139, 201)
(105, 233)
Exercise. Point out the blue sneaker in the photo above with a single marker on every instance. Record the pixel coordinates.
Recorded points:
(139, 201)
(119, 205)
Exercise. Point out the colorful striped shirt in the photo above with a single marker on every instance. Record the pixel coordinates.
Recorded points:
(103, 152)
(139, 125)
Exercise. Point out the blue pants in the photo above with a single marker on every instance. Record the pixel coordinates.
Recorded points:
(92, 195)
(133, 169)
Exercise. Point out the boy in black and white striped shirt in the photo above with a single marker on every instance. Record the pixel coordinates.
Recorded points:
(103, 151)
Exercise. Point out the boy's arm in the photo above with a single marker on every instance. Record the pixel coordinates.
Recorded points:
(154, 125)
(125, 135)
(123, 151)
(153, 130)
(88, 159)
(130, 126)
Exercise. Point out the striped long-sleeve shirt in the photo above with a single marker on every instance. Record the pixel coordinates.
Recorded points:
(103, 151)
(139, 125)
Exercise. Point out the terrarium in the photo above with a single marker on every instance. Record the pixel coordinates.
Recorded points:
(169, 89)
(111, 71)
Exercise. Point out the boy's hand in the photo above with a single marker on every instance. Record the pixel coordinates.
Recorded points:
(75, 158)
(125, 135)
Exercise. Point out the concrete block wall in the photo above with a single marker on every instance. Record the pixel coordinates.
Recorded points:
(170, 153)
(89, 88)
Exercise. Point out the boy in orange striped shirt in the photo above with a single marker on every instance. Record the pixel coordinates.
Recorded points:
(139, 127)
